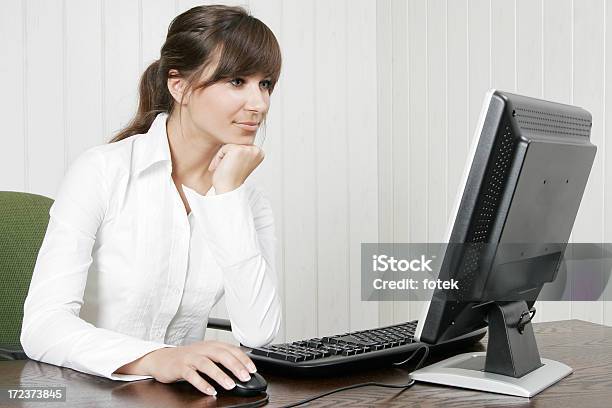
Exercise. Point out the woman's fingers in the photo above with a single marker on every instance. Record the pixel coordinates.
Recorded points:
(215, 161)
(249, 152)
(223, 356)
(242, 357)
(197, 381)
(209, 368)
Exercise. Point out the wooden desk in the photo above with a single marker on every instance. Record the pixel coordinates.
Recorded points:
(584, 346)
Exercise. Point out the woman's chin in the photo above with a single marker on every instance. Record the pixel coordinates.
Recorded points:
(245, 139)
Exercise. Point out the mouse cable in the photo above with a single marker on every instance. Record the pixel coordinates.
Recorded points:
(373, 384)
(253, 404)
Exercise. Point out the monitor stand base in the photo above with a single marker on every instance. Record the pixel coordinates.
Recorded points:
(467, 371)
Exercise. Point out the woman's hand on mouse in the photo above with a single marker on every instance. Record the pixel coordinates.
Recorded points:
(232, 164)
(171, 364)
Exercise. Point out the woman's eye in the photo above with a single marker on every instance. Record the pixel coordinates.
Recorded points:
(237, 81)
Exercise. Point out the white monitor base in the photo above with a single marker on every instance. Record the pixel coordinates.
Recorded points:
(467, 371)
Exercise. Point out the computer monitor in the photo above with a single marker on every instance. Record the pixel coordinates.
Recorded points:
(522, 186)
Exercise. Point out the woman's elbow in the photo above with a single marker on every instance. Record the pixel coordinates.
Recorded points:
(37, 334)
(28, 343)
(263, 336)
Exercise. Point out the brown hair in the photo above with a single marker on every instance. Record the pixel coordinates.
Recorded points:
(240, 45)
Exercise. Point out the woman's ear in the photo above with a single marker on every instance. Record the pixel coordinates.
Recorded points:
(176, 86)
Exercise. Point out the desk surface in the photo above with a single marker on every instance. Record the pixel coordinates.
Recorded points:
(586, 347)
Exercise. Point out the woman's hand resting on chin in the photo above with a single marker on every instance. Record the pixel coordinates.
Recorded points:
(232, 164)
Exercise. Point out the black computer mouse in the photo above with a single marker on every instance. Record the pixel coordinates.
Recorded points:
(256, 385)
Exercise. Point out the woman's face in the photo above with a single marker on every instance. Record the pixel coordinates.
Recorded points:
(229, 111)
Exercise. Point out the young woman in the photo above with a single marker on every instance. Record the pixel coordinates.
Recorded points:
(149, 231)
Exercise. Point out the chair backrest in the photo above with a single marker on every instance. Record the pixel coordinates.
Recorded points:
(23, 222)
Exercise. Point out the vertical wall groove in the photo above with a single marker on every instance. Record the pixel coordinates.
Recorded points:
(604, 201)
(314, 170)
(103, 71)
(571, 308)
(64, 86)
(467, 76)
(603, 215)
(542, 54)
(140, 34)
(347, 191)
(282, 186)
(490, 45)
(427, 147)
(446, 107)
(26, 146)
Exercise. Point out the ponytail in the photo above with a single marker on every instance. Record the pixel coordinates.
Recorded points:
(154, 99)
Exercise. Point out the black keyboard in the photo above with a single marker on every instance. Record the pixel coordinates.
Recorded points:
(382, 346)
(345, 352)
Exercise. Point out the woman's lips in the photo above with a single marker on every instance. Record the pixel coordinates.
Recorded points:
(250, 126)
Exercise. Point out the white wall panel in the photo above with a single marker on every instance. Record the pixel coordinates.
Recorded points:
(418, 124)
(331, 165)
(399, 140)
(13, 107)
(588, 92)
(437, 117)
(457, 100)
(83, 76)
(384, 107)
(502, 22)
(121, 50)
(184, 5)
(528, 34)
(45, 92)
(155, 17)
(298, 124)
(362, 148)
(479, 57)
(607, 148)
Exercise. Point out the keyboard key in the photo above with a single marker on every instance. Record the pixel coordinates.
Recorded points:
(260, 352)
(333, 350)
(292, 358)
(277, 355)
(356, 340)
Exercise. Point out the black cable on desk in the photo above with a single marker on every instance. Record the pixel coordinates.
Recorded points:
(253, 404)
(374, 384)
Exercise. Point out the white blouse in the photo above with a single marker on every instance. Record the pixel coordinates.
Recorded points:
(123, 270)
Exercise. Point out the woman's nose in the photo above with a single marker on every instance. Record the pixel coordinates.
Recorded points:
(256, 100)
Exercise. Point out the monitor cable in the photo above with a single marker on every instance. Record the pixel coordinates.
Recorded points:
(373, 384)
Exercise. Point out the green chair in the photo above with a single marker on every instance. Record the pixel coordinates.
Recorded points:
(23, 222)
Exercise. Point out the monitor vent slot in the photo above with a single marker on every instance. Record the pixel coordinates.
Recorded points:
(553, 123)
(487, 205)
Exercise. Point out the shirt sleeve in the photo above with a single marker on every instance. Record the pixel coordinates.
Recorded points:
(238, 226)
(52, 331)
